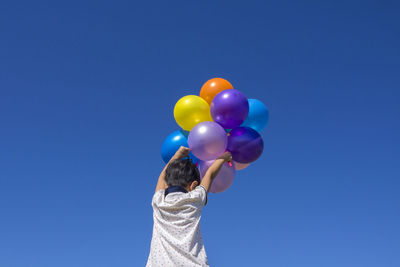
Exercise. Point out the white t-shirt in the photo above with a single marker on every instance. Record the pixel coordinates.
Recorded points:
(177, 238)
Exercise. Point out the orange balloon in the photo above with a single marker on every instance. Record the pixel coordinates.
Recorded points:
(212, 87)
(240, 166)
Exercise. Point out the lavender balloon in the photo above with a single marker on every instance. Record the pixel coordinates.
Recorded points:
(207, 140)
(245, 144)
(223, 180)
(229, 108)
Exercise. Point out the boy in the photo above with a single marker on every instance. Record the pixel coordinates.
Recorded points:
(177, 205)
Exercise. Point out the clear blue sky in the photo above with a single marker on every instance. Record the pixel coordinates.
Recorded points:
(87, 90)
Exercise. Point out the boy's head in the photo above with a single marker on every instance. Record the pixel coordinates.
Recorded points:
(182, 172)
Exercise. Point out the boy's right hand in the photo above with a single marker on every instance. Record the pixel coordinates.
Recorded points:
(227, 156)
(181, 153)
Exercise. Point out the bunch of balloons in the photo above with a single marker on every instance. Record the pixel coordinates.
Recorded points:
(220, 119)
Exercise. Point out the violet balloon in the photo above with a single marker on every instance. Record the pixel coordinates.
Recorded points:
(223, 180)
(207, 140)
(245, 144)
(229, 108)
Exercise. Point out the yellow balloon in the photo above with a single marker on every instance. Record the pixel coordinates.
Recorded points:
(191, 110)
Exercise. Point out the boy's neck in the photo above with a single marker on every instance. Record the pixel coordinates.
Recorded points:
(173, 189)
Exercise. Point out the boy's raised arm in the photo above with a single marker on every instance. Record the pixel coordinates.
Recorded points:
(214, 169)
(181, 153)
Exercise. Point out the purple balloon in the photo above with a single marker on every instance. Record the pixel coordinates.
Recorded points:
(229, 108)
(223, 180)
(245, 144)
(207, 140)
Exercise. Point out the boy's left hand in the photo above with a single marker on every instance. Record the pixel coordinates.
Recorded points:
(181, 153)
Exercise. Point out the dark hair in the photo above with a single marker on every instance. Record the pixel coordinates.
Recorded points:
(181, 172)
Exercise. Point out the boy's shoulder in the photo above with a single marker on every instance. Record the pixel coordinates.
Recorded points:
(198, 195)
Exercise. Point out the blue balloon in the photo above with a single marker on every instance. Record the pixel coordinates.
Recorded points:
(258, 115)
(172, 143)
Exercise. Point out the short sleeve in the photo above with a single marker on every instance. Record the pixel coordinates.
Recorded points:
(200, 192)
(157, 197)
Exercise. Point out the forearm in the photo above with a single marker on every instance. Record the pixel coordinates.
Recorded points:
(211, 173)
(161, 184)
(215, 168)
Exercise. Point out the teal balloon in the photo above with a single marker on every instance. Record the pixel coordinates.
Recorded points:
(185, 133)
(172, 143)
(258, 115)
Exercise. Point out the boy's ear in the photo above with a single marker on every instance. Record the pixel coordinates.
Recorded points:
(193, 185)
